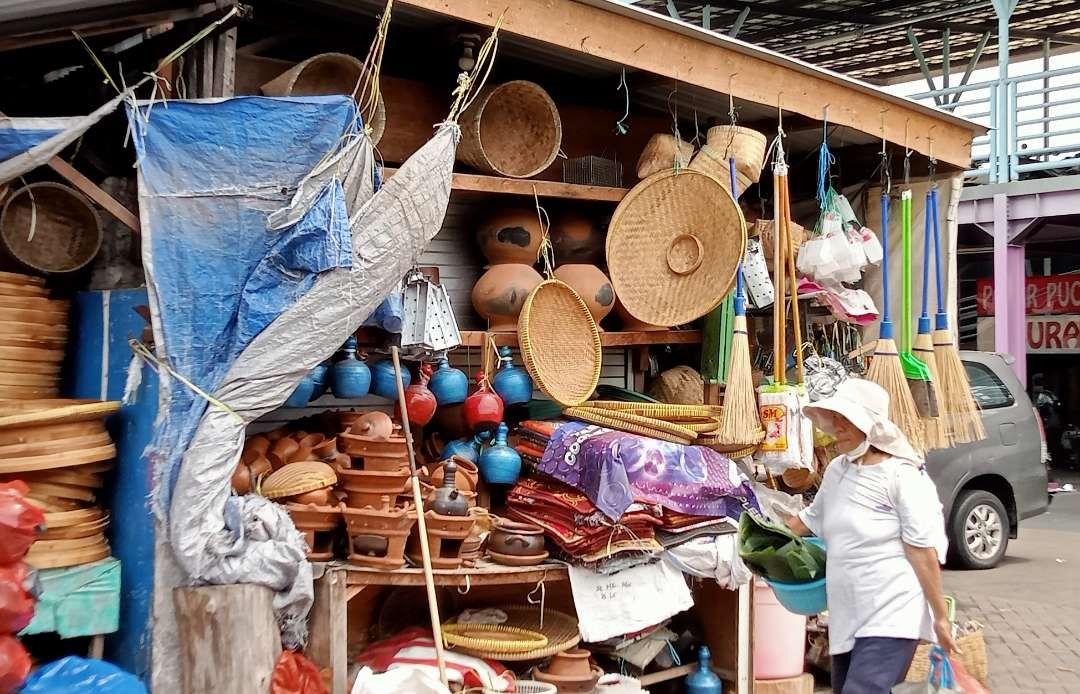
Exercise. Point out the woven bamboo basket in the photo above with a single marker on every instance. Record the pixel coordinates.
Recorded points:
(328, 73)
(764, 229)
(511, 129)
(710, 160)
(659, 410)
(560, 629)
(973, 645)
(662, 152)
(560, 343)
(298, 478)
(680, 385)
(67, 230)
(746, 145)
(632, 423)
(673, 246)
(493, 638)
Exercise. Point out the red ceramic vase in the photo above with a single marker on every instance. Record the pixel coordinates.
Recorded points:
(483, 409)
(419, 400)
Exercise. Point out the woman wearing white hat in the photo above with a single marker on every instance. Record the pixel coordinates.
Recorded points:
(881, 520)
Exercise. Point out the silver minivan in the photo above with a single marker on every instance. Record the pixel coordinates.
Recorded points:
(989, 486)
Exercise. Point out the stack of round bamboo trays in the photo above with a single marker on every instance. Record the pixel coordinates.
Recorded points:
(33, 334)
(62, 450)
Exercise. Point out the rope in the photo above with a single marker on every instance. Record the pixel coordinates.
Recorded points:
(470, 84)
(368, 83)
(621, 128)
(825, 162)
(546, 253)
(160, 365)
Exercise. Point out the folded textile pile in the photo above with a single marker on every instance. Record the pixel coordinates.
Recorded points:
(677, 528)
(414, 648)
(574, 523)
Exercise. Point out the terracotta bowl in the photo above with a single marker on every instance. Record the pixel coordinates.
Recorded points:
(327, 450)
(516, 539)
(569, 685)
(285, 449)
(571, 663)
(258, 443)
(319, 497)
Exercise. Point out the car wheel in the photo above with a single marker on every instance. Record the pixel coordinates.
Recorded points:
(979, 530)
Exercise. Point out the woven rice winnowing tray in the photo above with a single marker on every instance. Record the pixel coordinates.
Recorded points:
(560, 629)
(560, 343)
(673, 246)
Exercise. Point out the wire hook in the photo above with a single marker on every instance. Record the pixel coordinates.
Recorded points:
(468, 586)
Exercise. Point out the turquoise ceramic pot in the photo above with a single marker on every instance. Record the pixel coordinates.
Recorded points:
(383, 382)
(500, 464)
(512, 383)
(321, 376)
(351, 377)
(467, 448)
(449, 385)
(703, 680)
(303, 393)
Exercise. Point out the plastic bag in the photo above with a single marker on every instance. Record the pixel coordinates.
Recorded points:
(940, 681)
(20, 522)
(965, 681)
(295, 674)
(17, 597)
(75, 675)
(14, 664)
(788, 432)
(774, 552)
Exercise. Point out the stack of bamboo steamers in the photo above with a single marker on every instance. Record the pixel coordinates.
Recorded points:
(59, 447)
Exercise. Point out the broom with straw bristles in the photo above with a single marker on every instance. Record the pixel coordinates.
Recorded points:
(886, 369)
(960, 412)
(935, 432)
(739, 422)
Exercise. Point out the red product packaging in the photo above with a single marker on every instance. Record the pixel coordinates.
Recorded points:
(20, 522)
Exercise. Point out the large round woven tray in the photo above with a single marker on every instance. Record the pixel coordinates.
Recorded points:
(53, 411)
(560, 629)
(673, 246)
(497, 639)
(560, 343)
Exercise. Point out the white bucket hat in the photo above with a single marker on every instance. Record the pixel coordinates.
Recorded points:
(866, 405)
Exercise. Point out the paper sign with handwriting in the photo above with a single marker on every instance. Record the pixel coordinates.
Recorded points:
(627, 601)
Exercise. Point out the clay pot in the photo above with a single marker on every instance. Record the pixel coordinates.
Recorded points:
(241, 479)
(499, 463)
(285, 449)
(384, 380)
(351, 378)
(569, 685)
(274, 434)
(374, 425)
(516, 539)
(258, 443)
(307, 444)
(512, 383)
(576, 238)
(466, 479)
(365, 488)
(571, 663)
(447, 500)
(631, 324)
(592, 285)
(450, 386)
(319, 497)
(420, 402)
(327, 450)
(500, 293)
(511, 236)
(483, 409)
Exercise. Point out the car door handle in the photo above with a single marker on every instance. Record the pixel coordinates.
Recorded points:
(1007, 433)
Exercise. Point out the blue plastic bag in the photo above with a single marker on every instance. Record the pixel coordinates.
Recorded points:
(74, 675)
(940, 681)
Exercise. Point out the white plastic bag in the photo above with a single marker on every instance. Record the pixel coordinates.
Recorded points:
(789, 434)
(871, 246)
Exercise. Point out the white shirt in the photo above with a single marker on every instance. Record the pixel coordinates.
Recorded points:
(865, 514)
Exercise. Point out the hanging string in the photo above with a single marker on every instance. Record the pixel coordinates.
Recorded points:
(541, 587)
(621, 128)
(825, 161)
(471, 83)
(546, 253)
(159, 365)
(368, 84)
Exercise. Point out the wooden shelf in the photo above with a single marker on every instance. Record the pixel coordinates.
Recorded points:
(475, 183)
(475, 338)
(485, 574)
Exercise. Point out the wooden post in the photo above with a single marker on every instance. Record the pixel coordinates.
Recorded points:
(328, 628)
(225, 63)
(229, 638)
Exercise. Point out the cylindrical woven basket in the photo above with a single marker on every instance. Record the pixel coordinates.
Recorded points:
(560, 343)
(328, 73)
(746, 145)
(67, 230)
(673, 246)
(973, 645)
(764, 229)
(511, 129)
(680, 385)
(661, 153)
(711, 160)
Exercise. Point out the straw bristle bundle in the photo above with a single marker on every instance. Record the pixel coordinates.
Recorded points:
(739, 422)
(935, 431)
(959, 409)
(886, 371)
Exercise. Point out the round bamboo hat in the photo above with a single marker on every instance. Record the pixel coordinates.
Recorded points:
(298, 478)
(560, 343)
(661, 153)
(673, 247)
(511, 129)
(746, 145)
(328, 73)
(67, 230)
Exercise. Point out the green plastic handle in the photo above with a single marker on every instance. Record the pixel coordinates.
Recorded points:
(905, 237)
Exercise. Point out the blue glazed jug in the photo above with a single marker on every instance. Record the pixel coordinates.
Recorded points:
(383, 382)
(500, 464)
(321, 376)
(303, 393)
(450, 386)
(351, 378)
(703, 680)
(467, 448)
(512, 383)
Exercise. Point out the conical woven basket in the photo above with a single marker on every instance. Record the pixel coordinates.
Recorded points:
(746, 145)
(560, 343)
(673, 246)
(298, 478)
(328, 73)
(511, 129)
(661, 153)
(711, 160)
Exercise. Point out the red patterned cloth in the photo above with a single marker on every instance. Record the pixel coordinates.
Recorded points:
(414, 647)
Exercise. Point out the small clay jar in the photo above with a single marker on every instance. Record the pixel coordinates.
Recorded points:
(447, 500)
(592, 285)
(468, 475)
(516, 539)
(511, 235)
(576, 238)
(319, 497)
(500, 293)
(571, 663)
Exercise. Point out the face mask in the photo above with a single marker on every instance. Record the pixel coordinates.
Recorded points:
(857, 454)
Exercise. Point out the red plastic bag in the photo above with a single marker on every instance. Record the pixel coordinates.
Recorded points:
(17, 597)
(20, 522)
(14, 664)
(965, 681)
(295, 674)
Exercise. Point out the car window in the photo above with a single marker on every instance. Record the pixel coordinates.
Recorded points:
(987, 388)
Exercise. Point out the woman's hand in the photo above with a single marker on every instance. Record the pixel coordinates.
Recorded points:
(943, 630)
(796, 525)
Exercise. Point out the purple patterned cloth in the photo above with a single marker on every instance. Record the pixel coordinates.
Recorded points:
(614, 469)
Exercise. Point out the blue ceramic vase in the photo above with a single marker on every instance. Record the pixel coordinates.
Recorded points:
(703, 680)
(467, 448)
(321, 376)
(383, 382)
(303, 393)
(351, 377)
(450, 386)
(500, 464)
(512, 383)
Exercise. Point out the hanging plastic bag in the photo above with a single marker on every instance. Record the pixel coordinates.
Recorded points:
(14, 665)
(75, 675)
(17, 597)
(871, 246)
(295, 674)
(20, 522)
(788, 432)
(940, 681)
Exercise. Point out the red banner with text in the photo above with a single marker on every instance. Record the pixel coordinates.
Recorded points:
(1051, 294)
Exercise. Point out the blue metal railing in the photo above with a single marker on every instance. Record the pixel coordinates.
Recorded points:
(1041, 123)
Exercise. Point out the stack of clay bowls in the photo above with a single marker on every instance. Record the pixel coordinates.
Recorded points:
(510, 239)
(62, 450)
(571, 671)
(33, 334)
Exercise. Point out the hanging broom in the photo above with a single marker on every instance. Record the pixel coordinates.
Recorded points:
(739, 423)
(918, 375)
(886, 369)
(963, 420)
(935, 431)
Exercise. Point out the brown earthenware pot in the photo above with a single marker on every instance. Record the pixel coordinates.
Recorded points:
(516, 539)
(319, 497)
(576, 238)
(511, 235)
(592, 285)
(500, 293)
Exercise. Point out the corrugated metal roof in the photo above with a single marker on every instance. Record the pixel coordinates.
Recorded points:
(26, 16)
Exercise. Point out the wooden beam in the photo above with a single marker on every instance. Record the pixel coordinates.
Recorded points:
(328, 628)
(708, 62)
(95, 193)
(225, 63)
